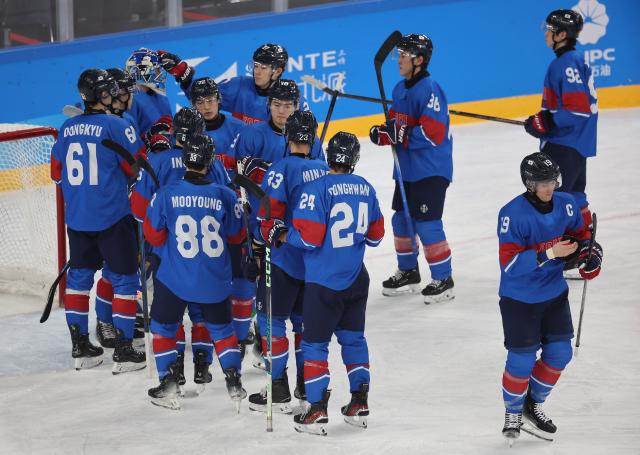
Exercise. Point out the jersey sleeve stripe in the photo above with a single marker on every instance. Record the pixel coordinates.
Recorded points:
(278, 209)
(236, 239)
(508, 251)
(311, 232)
(139, 205)
(549, 99)
(153, 236)
(433, 130)
(576, 102)
(376, 230)
(56, 170)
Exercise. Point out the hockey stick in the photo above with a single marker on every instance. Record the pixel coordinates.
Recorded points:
(145, 300)
(584, 286)
(378, 60)
(245, 206)
(334, 98)
(52, 293)
(72, 111)
(322, 86)
(253, 188)
(140, 163)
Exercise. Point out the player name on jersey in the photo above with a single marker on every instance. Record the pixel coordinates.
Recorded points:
(196, 201)
(312, 174)
(349, 188)
(82, 129)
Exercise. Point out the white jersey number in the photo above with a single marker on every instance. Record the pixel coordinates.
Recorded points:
(307, 200)
(75, 169)
(188, 239)
(434, 103)
(337, 239)
(504, 224)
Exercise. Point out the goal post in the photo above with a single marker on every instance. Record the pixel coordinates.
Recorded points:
(33, 243)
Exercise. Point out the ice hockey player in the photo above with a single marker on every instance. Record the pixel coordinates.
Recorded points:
(261, 144)
(538, 232)
(205, 97)
(283, 186)
(169, 167)
(105, 331)
(192, 221)
(150, 107)
(100, 227)
(335, 217)
(419, 128)
(567, 123)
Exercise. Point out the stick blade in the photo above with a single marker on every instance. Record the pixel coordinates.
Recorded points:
(387, 46)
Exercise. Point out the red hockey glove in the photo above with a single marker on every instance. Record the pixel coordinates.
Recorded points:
(389, 134)
(539, 124)
(272, 230)
(174, 65)
(159, 143)
(161, 126)
(255, 168)
(589, 267)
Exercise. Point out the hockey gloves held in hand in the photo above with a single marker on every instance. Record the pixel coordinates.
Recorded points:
(174, 65)
(539, 124)
(255, 168)
(589, 267)
(390, 133)
(272, 231)
(158, 143)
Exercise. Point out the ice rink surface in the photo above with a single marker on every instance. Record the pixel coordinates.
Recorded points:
(436, 370)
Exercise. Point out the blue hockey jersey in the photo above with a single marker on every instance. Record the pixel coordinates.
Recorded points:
(523, 232)
(191, 224)
(283, 184)
(240, 97)
(334, 218)
(93, 177)
(570, 95)
(224, 135)
(147, 108)
(169, 168)
(423, 106)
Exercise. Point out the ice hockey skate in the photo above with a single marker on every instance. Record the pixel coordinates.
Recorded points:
(534, 415)
(512, 424)
(106, 334)
(201, 373)
(281, 403)
(234, 387)
(86, 355)
(438, 291)
(300, 391)
(166, 394)
(314, 419)
(125, 357)
(258, 359)
(402, 282)
(355, 413)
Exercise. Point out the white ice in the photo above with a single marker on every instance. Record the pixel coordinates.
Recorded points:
(436, 370)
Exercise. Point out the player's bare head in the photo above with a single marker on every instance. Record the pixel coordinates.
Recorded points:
(144, 67)
(187, 121)
(562, 27)
(97, 88)
(343, 152)
(414, 53)
(269, 62)
(284, 99)
(205, 96)
(300, 130)
(540, 175)
(126, 85)
(197, 152)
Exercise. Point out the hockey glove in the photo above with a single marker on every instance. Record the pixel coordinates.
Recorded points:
(589, 267)
(390, 133)
(175, 66)
(255, 168)
(161, 126)
(271, 231)
(571, 261)
(159, 143)
(539, 124)
(250, 266)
